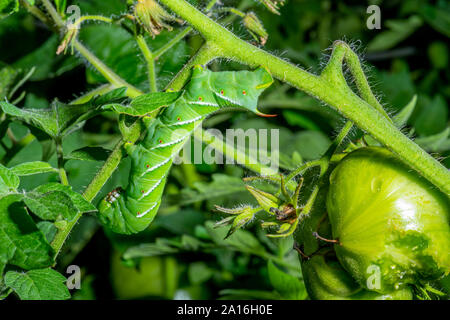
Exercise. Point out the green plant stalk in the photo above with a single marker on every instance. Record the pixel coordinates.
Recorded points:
(98, 91)
(238, 155)
(354, 65)
(180, 36)
(105, 70)
(60, 157)
(328, 89)
(53, 13)
(78, 22)
(206, 53)
(149, 58)
(324, 167)
(36, 12)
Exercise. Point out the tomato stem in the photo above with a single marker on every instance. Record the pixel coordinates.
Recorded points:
(330, 88)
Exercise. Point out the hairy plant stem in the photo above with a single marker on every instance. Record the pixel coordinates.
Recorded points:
(53, 13)
(60, 158)
(327, 87)
(98, 91)
(112, 77)
(91, 18)
(237, 155)
(149, 58)
(35, 11)
(180, 36)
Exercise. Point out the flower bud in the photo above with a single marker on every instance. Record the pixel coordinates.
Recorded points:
(266, 200)
(255, 27)
(68, 39)
(151, 16)
(273, 5)
(240, 216)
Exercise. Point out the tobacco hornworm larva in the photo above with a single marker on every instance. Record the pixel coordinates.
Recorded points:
(132, 210)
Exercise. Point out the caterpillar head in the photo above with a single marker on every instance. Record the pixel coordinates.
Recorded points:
(229, 88)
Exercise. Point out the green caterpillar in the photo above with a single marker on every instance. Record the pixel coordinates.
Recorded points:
(132, 210)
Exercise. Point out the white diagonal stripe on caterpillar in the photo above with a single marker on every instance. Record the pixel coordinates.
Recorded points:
(185, 122)
(226, 98)
(156, 166)
(167, 144)
(204, 103)
(152, 188)
(140, 215)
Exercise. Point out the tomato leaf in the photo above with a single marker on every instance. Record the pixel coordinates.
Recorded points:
(52, 121)
(80, 203)
(437, 17)
(50, 205)
(41, 284)
(403, 116)
(436, 143)
(30, 168)
(433, 117)
(241, 240)
(199, 272)
(21, 243)
(398, 31)
(9, 181)
(146, 103)
(117, 49)
(47, 63)
(58, 120)
(295, 118)
(89, 154)
(48, 229)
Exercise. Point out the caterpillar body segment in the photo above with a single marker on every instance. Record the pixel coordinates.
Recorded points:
(133, 209)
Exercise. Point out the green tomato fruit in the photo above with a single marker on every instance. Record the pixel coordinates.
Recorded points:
(392, 225)
(325, 279)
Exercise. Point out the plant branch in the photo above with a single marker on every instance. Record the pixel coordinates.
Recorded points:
(180, 36)
(150, 60)
(60, 157)
(204, 55)
(110, 75)
(340, 97)
(53, 13)
(237, 155)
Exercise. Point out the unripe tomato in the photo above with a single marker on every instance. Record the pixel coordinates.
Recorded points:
(325, 279)
(391, 224)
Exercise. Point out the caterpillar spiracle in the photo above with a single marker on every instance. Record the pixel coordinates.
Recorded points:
(133, 209)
